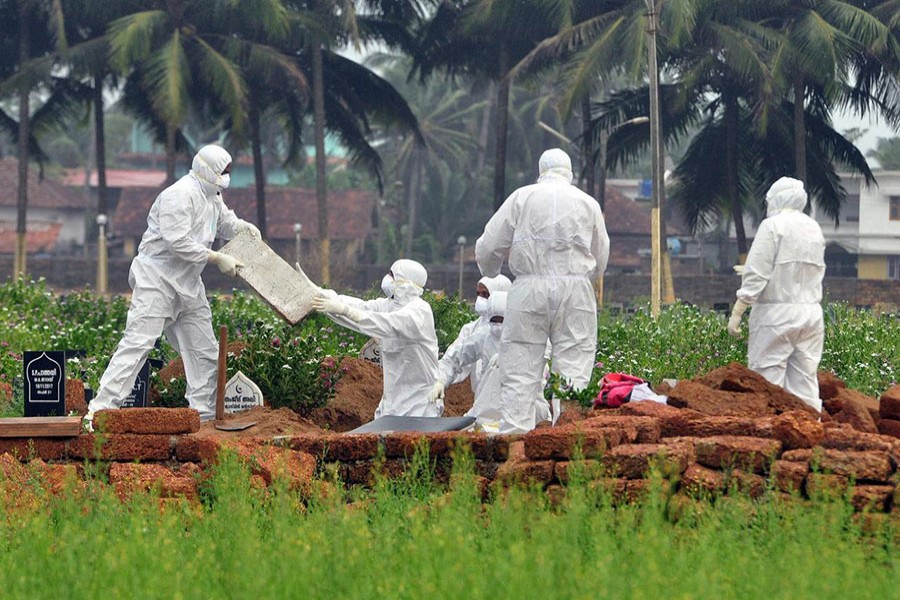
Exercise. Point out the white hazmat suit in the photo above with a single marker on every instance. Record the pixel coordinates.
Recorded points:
(403, 324)
(556, 240)
(782, 280)
(479, 352)
(450, 359)
(168, 293)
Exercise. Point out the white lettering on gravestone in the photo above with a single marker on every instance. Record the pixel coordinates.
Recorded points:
(45, 382)
(288, 291)
(241, 394)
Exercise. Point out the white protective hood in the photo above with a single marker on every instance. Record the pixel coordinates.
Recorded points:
(785, 194)
(555, 164)
(207, 167)
(409, 280)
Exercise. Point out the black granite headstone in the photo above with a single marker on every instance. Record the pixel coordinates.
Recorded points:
(138, 396)
(45, 383)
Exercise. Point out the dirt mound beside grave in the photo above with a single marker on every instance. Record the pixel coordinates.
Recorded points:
(269, 423)
(356, 397)
(736, 391)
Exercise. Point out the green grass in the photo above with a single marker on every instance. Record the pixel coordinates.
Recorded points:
(412, 539)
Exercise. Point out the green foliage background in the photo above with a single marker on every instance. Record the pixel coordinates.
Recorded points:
(298, 366)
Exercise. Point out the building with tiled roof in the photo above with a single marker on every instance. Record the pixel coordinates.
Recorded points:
(349, 215)
(55, 213)
(628, 226)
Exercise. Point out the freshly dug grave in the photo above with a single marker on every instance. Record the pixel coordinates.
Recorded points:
(359, 390)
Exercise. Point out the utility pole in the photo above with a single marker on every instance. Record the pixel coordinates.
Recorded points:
(656, 165)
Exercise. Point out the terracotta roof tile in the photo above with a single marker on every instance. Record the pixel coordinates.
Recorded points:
(628, 216)
(349, 215)
(40, 237)
(41, 193)
(117, 178)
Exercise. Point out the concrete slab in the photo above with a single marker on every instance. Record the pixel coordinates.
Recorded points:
(289, 292)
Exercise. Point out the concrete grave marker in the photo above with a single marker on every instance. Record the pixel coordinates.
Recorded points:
(45, 383)
(241, 394)
(371, 351)
(288, 291)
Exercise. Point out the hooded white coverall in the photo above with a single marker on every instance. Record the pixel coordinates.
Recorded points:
(168, 294)
(403, 324)
(782, 280)
(450, 359)
(557, 244)
(478, 352)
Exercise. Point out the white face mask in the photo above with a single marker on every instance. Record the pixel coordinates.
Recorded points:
(387, 286)
(496, 330)
(482, 305)
(223, 181)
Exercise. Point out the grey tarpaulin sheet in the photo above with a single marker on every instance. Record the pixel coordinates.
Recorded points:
(423, 424)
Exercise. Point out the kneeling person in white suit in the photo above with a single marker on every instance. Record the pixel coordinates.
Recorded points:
(403, 324)
(479, 350)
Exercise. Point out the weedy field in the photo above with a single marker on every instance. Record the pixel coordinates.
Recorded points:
(413, 538)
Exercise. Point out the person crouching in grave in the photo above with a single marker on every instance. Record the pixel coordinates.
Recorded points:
(168, 293)
(479, 352)
(450, 361)
(403, 324)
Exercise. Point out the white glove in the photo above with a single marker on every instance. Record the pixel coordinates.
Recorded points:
(227, 264)
(334, 306)
(494, 363)
(734, 323)
(319, 291)
(437, 391)
(739, 269)
(248, 226)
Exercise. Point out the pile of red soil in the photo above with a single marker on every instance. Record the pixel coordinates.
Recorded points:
(269, 423)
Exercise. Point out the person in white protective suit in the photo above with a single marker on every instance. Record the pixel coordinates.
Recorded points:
(168, 293)
(782, 280)
(556, 240)
(484, 289)
(478, 353)
(403, 324)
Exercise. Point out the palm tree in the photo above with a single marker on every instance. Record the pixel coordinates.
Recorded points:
(435, 166)
(34, 28)
(485, 39)
(175, 47)
(324, 26)
(822, 46)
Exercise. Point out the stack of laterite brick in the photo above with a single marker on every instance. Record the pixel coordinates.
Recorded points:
(146, 448)
(791, 452)
(757, 441)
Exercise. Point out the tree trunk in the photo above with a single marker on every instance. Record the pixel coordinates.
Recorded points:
(100, 143)
(20, 262)
(259, 176)
(412, 194)
(502, 125)
(321, 189)
(800, 134)
(731, 174)
(481, 155)
(171, 130)
(590, 168)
